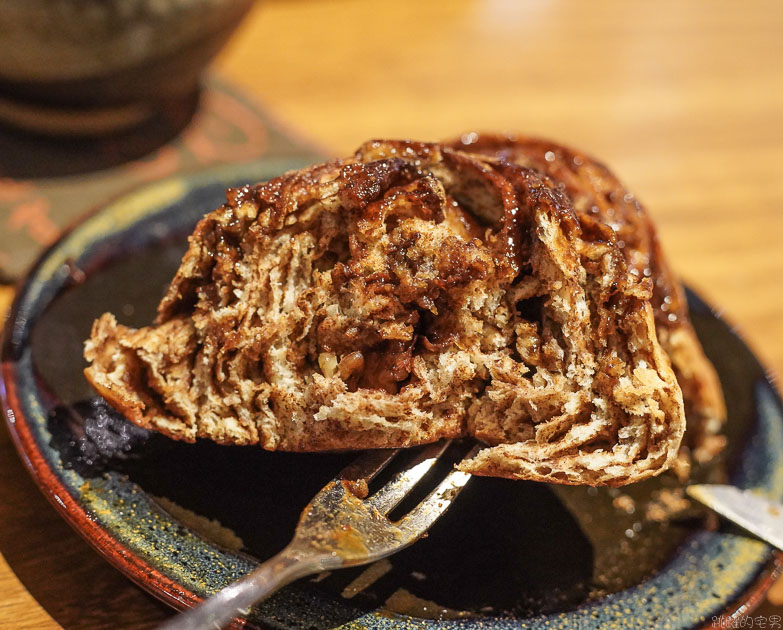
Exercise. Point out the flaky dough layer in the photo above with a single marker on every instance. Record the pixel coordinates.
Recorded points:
(597, 195)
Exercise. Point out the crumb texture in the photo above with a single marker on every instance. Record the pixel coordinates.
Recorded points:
(597, 195)
(415, 292)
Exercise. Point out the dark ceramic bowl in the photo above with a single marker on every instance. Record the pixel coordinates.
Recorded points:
(81, 66)
(508, 555)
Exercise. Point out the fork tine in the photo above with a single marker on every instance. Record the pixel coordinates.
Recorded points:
(403, 482)
(368, 465)
(438, 501)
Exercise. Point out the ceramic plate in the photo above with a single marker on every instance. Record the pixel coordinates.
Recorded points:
(185, 520)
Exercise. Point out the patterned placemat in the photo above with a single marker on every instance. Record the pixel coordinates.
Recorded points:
(45, 183)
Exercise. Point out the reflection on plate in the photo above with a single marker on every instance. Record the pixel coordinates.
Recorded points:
(185, 520)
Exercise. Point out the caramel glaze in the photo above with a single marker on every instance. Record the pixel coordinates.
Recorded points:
(488, 205)
(601, 203)
(379, 194)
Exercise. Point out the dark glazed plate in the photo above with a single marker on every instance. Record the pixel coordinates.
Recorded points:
(508, 555)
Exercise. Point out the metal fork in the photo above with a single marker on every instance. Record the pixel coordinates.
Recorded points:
(341, 527)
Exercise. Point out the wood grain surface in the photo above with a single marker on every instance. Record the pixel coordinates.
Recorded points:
(683, 100)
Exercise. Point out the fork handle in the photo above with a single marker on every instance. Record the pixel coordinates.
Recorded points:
(237, 598)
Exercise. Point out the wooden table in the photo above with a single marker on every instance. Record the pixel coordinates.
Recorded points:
(683, 100)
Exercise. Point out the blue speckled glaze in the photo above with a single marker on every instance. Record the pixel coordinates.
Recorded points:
(708, 575)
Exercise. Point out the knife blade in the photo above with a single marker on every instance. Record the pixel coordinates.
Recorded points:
(758, 515)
